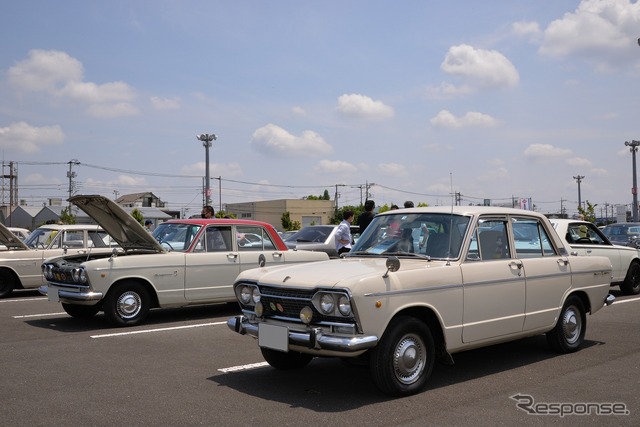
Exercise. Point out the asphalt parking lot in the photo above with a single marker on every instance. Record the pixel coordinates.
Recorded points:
(185, 367)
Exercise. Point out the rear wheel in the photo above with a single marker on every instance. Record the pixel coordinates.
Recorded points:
(285, 361)
(127, 304)
(7, 283)
(631, 284)
(568, 334)
(402, 362)
(81, 311)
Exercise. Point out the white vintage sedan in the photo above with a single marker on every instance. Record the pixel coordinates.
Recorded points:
(423, 284)
(20, 262)
(184, 262)
(584, 238)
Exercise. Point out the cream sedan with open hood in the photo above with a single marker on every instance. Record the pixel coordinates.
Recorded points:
(184, 262)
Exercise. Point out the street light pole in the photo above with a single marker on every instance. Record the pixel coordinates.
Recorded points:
(206, 143)
(634, 190)
(579, 179)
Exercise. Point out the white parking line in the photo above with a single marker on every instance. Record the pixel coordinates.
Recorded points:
(24, 299)
(38, 315)
(243, 367)
(146, 331)
(618, 301)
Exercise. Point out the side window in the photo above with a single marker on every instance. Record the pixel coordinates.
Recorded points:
(253, 238)
(534, 241)
(73, 239)
(217, 238)
(492, 240)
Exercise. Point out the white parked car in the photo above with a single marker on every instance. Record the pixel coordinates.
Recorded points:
(185, 262)
(20, 263)
(399, 304)
(584, 238)
(22, 233)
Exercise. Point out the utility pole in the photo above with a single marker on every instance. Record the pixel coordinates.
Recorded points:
(634, 190)
(579, 179)
(71, 175)
(206, 143)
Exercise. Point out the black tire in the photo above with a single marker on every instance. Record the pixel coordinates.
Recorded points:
(568, 334)
(81, 311)
(126, 304)
(7, 283)
(403, 360)
(285, 361)
(631, 284)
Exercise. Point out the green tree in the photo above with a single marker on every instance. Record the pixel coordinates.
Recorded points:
(285, 220)
(589, 213)
(67, 217)
(326, 196)
(137, 215)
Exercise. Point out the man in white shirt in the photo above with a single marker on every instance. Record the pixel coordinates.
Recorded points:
(343, 235)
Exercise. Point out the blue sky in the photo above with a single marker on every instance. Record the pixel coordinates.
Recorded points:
(493, 99)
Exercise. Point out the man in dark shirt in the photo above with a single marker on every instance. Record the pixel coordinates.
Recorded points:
(365, 217)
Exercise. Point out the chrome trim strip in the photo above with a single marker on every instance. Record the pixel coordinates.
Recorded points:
(413, 291)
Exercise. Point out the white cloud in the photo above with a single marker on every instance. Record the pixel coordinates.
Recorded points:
(165, 103)
(112, 110)
(604, 31)
(275, 141)
(526, 29)
(480, 68)
(23, 138)
(393, 169)
(335, 167)
(545, 151)
(446, 119)
(299, 111)
(579, 161)
(361, 106)
(60, 75)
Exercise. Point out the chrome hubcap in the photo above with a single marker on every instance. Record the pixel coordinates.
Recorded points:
(129, 305)
(571, 325)
(409, 359)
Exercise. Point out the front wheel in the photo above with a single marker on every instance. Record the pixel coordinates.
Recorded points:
(631, 284)
(7, 283)
(81, 311)
(402, 362)
(285, 361)
(127, 304)
(568, 334)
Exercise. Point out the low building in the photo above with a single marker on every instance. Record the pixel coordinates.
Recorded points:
(306, 212)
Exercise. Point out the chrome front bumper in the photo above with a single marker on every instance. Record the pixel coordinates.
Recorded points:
(609, 300)
(80, 297)
(314, 338)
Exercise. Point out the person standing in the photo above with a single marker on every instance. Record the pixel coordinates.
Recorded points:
(207, 212)
(147, 225)
(343, 234)
(364, 219)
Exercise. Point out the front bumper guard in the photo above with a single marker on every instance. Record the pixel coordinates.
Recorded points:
(79, 297)
(609, 299)
(314, 338)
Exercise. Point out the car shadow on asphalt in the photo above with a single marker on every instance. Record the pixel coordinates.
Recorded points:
(165, 317)
(331, 385)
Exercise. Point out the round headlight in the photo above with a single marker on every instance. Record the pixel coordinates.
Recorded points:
(259, 309)
(344, 305)
(83, 276)
(255, 295)
(245, 295)
(306, 314)
(327, 303)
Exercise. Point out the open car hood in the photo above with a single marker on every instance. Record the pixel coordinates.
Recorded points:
(121, 226)
(10, 240)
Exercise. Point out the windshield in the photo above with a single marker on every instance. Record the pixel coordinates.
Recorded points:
(437, 235)
(41, 238)
(312, 233)
(176, 237)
